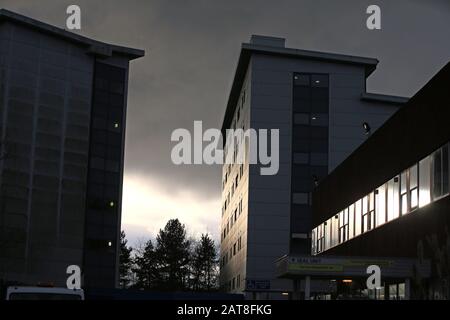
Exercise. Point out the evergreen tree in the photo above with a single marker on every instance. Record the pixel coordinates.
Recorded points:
(172, 254)
(125, 261)
(145, 267)
(204, 265)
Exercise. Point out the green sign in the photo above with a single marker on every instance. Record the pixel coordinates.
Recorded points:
(316, 267)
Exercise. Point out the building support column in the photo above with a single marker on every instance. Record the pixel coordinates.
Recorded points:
(307, 287)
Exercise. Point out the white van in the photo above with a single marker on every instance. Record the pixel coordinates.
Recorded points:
(43, 293)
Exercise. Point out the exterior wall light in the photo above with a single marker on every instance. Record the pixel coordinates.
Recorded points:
(366, 128)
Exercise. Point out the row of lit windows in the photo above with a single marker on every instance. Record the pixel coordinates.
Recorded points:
(415, 187)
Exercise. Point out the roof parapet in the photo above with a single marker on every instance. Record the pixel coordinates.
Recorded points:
(376, 97)
(94, 46)
(268, 41)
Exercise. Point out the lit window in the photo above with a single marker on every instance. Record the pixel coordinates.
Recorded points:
(351, 221)
(335, 230)
(301, 79)
(380, 204)
(358, 218)
(371, 217)
(413, 186)
(393, 199)
(440, 172)
(404, 192)
(343, 225)
(368, 213)
(424, 182)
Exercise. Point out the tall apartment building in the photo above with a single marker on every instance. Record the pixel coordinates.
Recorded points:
(319, 103)
(63, 104)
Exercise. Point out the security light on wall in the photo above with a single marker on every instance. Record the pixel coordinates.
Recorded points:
(366, 128)
(316, 180)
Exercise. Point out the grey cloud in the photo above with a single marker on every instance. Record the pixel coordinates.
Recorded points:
(192, 49)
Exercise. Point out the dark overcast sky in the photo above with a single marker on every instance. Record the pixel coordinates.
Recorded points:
(192, 48)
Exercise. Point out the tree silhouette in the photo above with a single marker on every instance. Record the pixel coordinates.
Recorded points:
(204, 265)
(145, 267)
(172, 255)
(125, 261)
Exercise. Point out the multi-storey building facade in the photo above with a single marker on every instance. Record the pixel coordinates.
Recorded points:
(319, 103)
(62, 127)
(399, 206)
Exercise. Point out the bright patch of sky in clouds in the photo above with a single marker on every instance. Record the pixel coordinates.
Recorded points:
(146, 208)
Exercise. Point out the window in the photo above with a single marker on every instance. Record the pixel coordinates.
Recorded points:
(301, 80)
(343, 226)
(319, 80)
(300, 198)
(319, 159)
(380, 205)
(393, 199)
(313, 241)
(440, 172)
(413, 187)
(319, 119)
(301, 158)
(368, 213)
(424, 182)
(437, 174)
(301, 118)
(351, 221)
(335, 230)
(404, 192)
(320, 238)
(358, 226)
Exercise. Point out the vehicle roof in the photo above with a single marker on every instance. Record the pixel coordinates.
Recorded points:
(25, 289)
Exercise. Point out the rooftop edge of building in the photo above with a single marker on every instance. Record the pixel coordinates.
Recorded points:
(276, 46)
(94, 46)
(377, 97)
